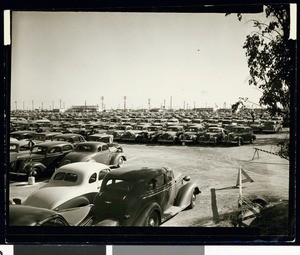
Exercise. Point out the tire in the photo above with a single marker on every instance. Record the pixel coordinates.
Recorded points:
(193, 202)
(120, 162)
(153, 219)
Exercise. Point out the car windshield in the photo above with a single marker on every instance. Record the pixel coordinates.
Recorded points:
(192, 129)
(39, 150)
(238, 130)
(84, 148)
(39, 137)
(152, 128)
(173, 129)
(118, 184)
(68, 177)
(214, 130)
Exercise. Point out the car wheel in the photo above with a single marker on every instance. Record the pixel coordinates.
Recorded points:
(193, 202)
(120, 162)
(153, 220)
(251, 140)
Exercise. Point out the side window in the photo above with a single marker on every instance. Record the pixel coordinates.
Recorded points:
(66, 148)
(104, 147)
(54, 150)
(169, 176)
(159, 181)
(93, 178)
(75, 139)
(151, 184)
(81, 139)
(102, 173)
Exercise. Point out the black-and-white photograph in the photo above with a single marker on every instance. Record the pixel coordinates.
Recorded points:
(153, 119)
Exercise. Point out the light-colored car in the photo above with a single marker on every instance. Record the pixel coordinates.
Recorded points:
(96, 152)
(72, 185)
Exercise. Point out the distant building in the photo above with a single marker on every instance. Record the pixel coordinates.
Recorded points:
(84, 108)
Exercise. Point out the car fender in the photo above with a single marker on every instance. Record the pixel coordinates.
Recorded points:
(184, 194)
(28, 166)
(75, 202)
(142, 217)
(115, 158)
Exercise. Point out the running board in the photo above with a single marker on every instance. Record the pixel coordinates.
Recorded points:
(170, 212)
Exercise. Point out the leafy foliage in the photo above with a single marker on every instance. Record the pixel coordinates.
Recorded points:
(271, 58)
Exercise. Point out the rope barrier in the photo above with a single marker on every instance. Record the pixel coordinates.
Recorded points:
(273, 153)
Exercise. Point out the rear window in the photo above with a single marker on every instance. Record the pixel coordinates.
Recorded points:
(68, 177)
(118, 184)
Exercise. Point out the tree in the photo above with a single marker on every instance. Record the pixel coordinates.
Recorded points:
(271, 58)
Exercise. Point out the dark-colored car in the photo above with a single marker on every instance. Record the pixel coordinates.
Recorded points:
(240, 135)
(70, 137)
(171, 135)
(42, 159)
(22, 215)
(143, 197)
(95, 152)
(272, 126)
(21, 135)
(256, 126)
(214, 135)
(192, 133)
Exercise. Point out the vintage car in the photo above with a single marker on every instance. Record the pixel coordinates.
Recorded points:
(240, 135)
(70, 137)
(21, 215)
(72, 185)
(272, 126)
(150, 135)
(131, 135)
(171, 135)
(44, 136)
(256, 126)
(42, 159)
(95, 152)
(21, 135)
(17, 148)
(143, 197)
(119, 131)
(192, 133)
(214, 135)
(105, 138)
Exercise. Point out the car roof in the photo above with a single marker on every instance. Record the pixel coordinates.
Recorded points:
(53, 143)
(68, 135)
(134, 175)
(22, 215)
(78, 167)
(92, 143)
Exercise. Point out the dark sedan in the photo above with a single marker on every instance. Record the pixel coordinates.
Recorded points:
(143, 197)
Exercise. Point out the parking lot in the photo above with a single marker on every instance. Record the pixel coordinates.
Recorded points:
(215, 169)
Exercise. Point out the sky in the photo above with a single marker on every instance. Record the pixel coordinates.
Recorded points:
(60, 59)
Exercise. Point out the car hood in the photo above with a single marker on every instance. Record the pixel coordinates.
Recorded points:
(51, 197)
(31, 156)
(211, 134)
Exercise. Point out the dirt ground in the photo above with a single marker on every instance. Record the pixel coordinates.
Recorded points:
(215, 169)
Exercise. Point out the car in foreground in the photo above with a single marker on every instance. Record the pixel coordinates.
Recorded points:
(240, 135)
(21, 215)
(143, 197)
(72, 185)
(42, 159)
(95, 152)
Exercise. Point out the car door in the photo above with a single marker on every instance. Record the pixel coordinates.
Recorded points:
(103, 154)
(163, 189)
(53, 155)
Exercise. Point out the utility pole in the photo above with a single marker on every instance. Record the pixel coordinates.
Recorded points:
(125, 103)
(102, 105)
(16, 103)
(23, 106)
(170, 102)
(149, 100)
(32, 104)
